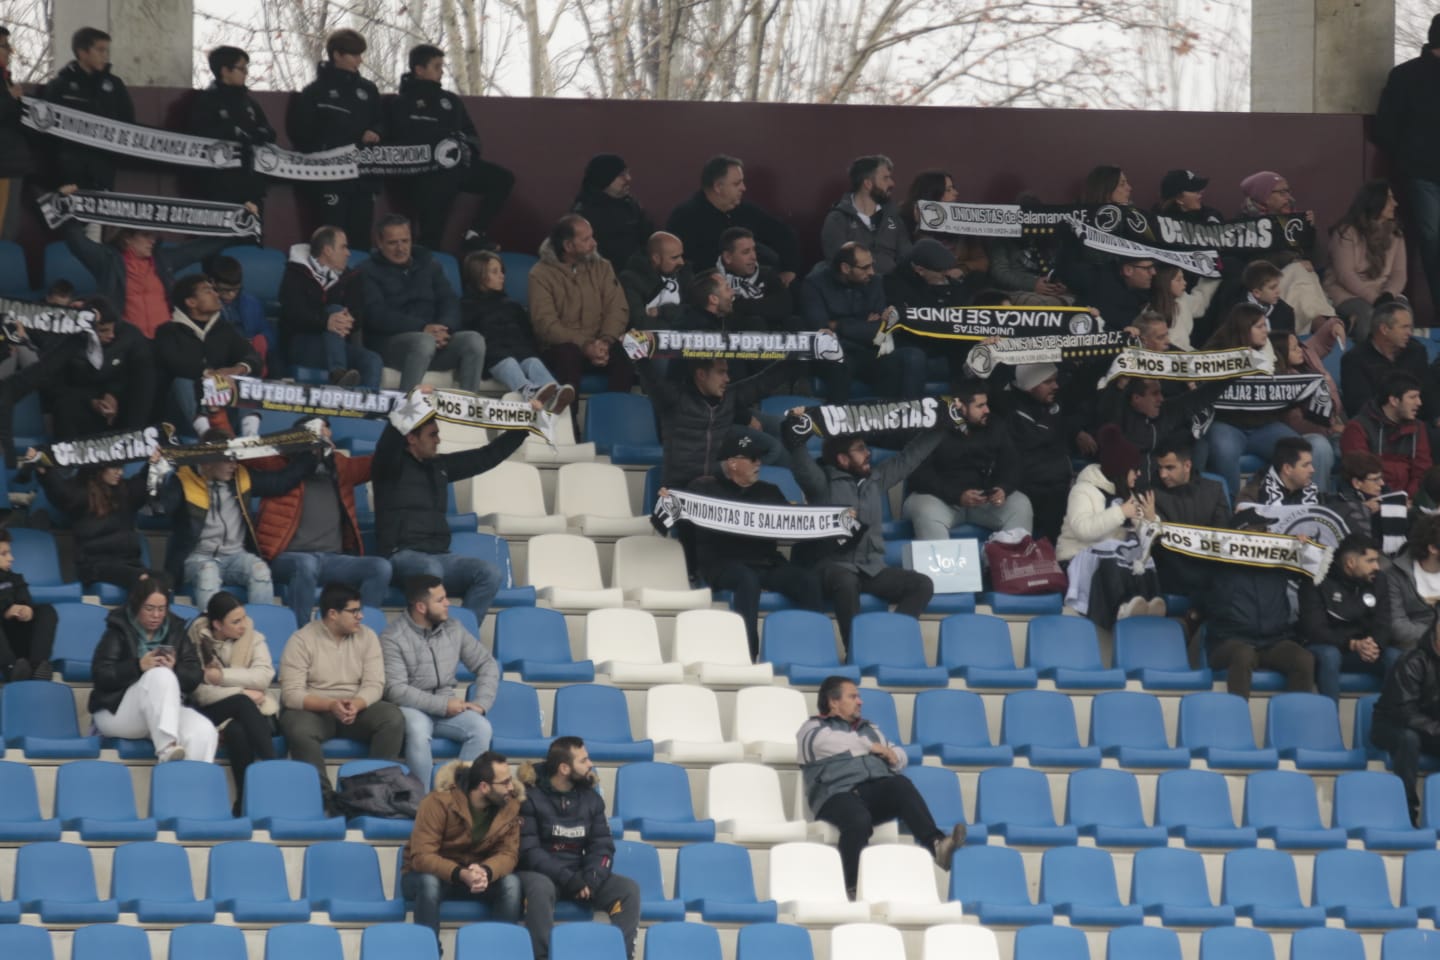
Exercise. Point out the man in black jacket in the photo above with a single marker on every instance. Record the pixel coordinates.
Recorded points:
(1040, 430)
(621, 225)
(1391, 349)
(1250, 626)
(656, 282)
(720, 204)
(198, 342)
(409, 477)
(1407, 715)
(27, 628)
(319, 298)
(226, 111)
(120, 395)
(87, 84)
(762, 300)
(1346, 619)
(424, 112)
(1183, 496)
(16, 160)
(1148, 418)
(566, 848)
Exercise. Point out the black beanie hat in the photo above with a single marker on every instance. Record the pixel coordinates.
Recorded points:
(601, 170)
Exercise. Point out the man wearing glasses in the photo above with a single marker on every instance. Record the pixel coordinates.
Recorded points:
(332, 677)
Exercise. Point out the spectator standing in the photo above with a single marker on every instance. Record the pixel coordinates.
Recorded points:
(1388, 427)
(319, 299)
(226, 111)
(27, 628)
(1345, 619)
(16, 159)
(197, 343)
(720, 204)
(510, 347)
(86, 84)
(1367, 257)
(866, 216)
(606, 202)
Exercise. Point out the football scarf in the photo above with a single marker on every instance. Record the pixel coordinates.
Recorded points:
(737, 345)
(770, 521)
(201, 218)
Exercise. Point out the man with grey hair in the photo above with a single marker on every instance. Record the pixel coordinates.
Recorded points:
(1391, 349)
(867, 216)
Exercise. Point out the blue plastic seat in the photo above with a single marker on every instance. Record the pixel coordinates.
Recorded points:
(303, 941)
(602, 717)
(385, 941)
(622, 427)
(1022, 604)
(77, 631)
(1420, 882)
(275, 624)
(1305, 728)
(1261, 884)
(784, 478)
(15, 274)
(1130, 727)
(32, 943)
(263, 268)
(36, 554)
(773, 941)
(654, 798)
(110, 941)
(641, 863)
(208, 941)
(879, 709)
(941, 789)
(1170, 883)
(193, 800)
(1079, 882)
(1194, 805)
(374, 618)
(1281, 805)
(61, 264)
(516, 722)
(343, 880)
(1105, 804)
(247, 881)
(38, 718)
(1066, 650)
(57, 881)
(1152, 650)
(1410, 945)
(1014, 803)
(693, 941)
(716, 881)
(1051, 943)
(587, 941)
(1142, 943)
(1040, 725)
(1370, 806)
(1216, 728)
(977, 647)
(535, 643)
(801, 646)
(990, 884)
(385, 828)
(1351, 885)
(950, 724)
(1236, 943)
(152, 881)
(1327, 944)
(283, 797)
(97, 799)
(20, 820)
(888, 647)
(488, 941)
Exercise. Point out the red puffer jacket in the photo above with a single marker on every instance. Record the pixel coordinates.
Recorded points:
(280, 516)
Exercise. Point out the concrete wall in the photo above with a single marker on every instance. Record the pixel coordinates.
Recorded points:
(1321, 56)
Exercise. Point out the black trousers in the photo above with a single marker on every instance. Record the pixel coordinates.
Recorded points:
(32, 640)
(122, 573)
(1049, 504)
(352, 209)
(52, 358)
(855, 814)
(1243, 658)
(1405, 746)
(800, 584)
(434, 197)
(908, 590)
(246, 736)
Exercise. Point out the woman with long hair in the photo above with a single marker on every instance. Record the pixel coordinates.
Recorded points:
(511, 352)
(1293, 356)
(1178, 305)
(1367, 257)
(102, 504)
(1106, 184)
(970, 253)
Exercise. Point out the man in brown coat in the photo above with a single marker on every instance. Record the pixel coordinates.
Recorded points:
(466, 842)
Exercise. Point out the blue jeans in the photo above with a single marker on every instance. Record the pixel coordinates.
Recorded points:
(429, 891)
(519, 374)
(242, 569)
(1424, 210)
(469, 729)
(476, 580)
(306, 572)
(330, 351)
(1331, 661)
(413, 354)
(1227, 443)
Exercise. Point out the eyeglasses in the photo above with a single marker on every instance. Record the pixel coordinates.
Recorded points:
(353, 611)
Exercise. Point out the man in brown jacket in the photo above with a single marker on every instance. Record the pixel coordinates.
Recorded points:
(466, 842)
(578, 309)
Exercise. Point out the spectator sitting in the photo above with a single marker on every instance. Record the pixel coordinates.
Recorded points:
(1182, 196)
(605, 200)
(1367, 257)
(332, 678)
(566, 848)
(1367, 504)
(1178, 307)
(87, 84)
(1025, 267)
(225, 110)
(762, 300)
(852, 779)
(971, 257)
(510, 347)
(720, 204)
(971, 477)
(655, 283)
(1119, 290)
(1390, 349)
(926, 277)
(1292, 356)
(866, 216)
(1268, 194)
(1262, 281)
(578, 308)
(319, 297)
(243, 310)
(234, 692)
(1413, 585)
(1250, 625)
(1345, 619)
(144, 672)
(1288, 482)
(198, 343)
(1387, 427)
(119, 395)
(27, 628)
(1040, 431)
(1155, 335)
(466, 842)
(1185, 497)
(1406, 721)
(412, 315)
(422, 649)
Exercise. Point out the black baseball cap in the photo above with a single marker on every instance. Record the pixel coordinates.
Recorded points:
(739, 445)
(1177, 182)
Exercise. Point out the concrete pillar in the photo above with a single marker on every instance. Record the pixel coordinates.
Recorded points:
(1320, 56)
(152, 41)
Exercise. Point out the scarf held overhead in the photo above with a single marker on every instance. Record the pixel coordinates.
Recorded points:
(350, 162)
(18, 318)
(737, 345)
(982, 323)
(1186, 365)
(469, 410)
(770, 521)
(1015, 351)
(835, 420)
(106, 449)
(1204, 263)
(203, 218)
(284, 444)
(299, 398)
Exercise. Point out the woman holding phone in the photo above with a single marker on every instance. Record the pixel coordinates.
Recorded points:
(144, 670)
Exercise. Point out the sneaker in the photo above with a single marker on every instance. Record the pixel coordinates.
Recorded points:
(44, 670)
(1156, 607)
(1134, 607)
(173, 752)
(340, 377)
(20, 671)
(946, 846)
(563, 398)
(545, 396)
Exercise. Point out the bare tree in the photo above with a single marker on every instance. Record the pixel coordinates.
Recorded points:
(31, 22)
(1412, 27)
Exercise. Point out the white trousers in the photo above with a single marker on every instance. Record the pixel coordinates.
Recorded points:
(152, 708)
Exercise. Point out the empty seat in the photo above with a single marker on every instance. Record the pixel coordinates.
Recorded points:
(694, 941)
(343, 880)
(1216, 728)
(508, 499)
(713, 648)
(97, 799)
(651, 571)
(1142, 943)
(745, 802)
(1079, 882)
(951, 725)
(192, 799)
(684, 722)
(976, 647)
(1051, 943)
(654, 799)
(109, 941)
(384, 941)
(866, 941)
(38, 718)
(1326, 944)
(602, 717)
(247, 881)
(1236, 943)
(303, 941)
(1305, 727)
(283, 797)
(625, 644)
(1370, 806)
(1130, 727)
(36, 554)
(888, 647)
(536, 643)
(801, 645)
(947, 941)
(152, 881)
(208, 941)
(1410, 945)
(587, 941)
(1105, 804)
(641, 863)
(898, 881)
(20, 820)
(1152, 650)
(1040, 725)
(1014, 803)
(764, 721)
(516, 722)
(1195, 806)
(57, 881)
(622, 427)
(1261, 884)
(595, 499)
(1420, 882)
(1170, 883)
(565, 570)
(1281, 805)
(807, 883)
(1351, 885)
(494, 550)
(78, 629)
(1066, 650)
(486, 941)
(940, 789)
(773, 941)
(716, 881)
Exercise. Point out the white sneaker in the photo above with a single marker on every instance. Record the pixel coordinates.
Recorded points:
(1134, 607)
(1157, 607)
(173, 752)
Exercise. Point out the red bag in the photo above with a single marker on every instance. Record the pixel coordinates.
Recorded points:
(1025, 567)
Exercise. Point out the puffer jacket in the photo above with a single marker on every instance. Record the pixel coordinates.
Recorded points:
(829, 763)
(280, 514)
(1089, 516)
(1412, 620)
(1403, 448)
(565, 836)
(99, 540)
(575, 304)
(440, 843)
(503, 323)
(186, 499)
(886, 236)
(103, 94)
(116, 662)
(404, 298)
(420, 665)
(333, 111)
(245, 664)
(1410, 697)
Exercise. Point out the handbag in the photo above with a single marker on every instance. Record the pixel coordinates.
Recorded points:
(1024, 567)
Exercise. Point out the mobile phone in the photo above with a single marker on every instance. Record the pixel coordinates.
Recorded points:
(164, 650)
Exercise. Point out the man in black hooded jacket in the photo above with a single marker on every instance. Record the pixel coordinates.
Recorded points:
(226, 111)
(621, 225)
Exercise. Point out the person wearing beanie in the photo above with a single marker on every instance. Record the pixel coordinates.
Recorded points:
(867, 215)
(1268, 194)
(1041, 432)
(621, 225)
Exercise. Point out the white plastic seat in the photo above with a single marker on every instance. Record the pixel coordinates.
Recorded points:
(808, 884)
(684, 722)
(744, 801)
(596, 500)
(651, 570)
(625, 644)
(712, 646)
(867, 941)
(564, 450)
(509, 500)
(898, 881)
(457, 437)
(960, 941)
(565, 570)
(766, 721)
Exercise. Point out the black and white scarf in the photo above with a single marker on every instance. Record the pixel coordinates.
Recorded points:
(735, 345)
(202, 218)
(1391, 524)
(350, 162)
(327, 277)
(835, 420)
(765, 520)
(1015, 351)
(1270, 551)
(982, 323)
(746, 288)
(105, 449)
(1187, 365)
(284, 444)
(129, 139)
(19, 318)
(300, 399)
(1275, 493)
(1204, 263)
(469, 410)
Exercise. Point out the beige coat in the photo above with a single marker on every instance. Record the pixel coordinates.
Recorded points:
(245, 664)
(575, 304)
(1346, 280)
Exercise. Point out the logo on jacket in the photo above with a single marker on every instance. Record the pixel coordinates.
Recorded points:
(445, 104)
(361, 95)
(569, 833)
(334, 94)
(1368, 599)
(107, 86)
